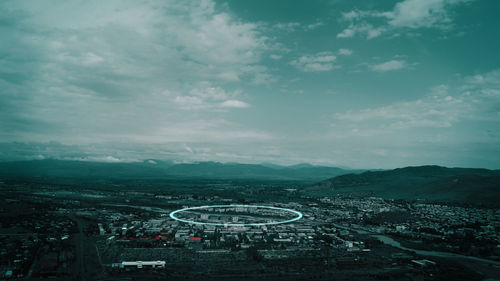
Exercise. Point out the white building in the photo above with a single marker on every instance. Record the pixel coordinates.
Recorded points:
(140, 264)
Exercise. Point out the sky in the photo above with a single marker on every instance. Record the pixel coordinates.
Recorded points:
(360, 84)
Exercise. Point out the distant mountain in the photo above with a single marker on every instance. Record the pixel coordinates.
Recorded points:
(156, 169)
(82, 169)
(271, 165)
(424, 182)
(301, 165)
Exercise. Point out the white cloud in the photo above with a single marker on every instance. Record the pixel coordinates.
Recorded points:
(405, 14)
(190, 102)
(295, 26)
(389, 65)
(347, 33)
(288, 27)
(141, 62)
(234, 103)
(187, 148)
(442, 107)
(263, 78)
(422, 13)
(107, 159)
(199, 40)
(260, 75)
(205, 90)
(314, 25)
(345, 52)
(368, 30)
(350, 16)
(317, 62)
(490, 78)
(207, 97)
(430, 111)
(91, 58)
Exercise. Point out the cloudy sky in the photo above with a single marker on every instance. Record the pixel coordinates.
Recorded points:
(362, 84)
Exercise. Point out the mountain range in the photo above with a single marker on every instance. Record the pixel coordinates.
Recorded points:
(466, 185)
(156, 169)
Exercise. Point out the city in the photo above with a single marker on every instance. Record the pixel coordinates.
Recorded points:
(115, 230)
(250, 140)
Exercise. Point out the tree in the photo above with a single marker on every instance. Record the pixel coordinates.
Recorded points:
(253, 253)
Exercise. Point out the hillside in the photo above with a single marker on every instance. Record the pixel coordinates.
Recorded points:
(424, 182)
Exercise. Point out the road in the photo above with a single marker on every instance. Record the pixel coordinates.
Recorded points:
(80, 247)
